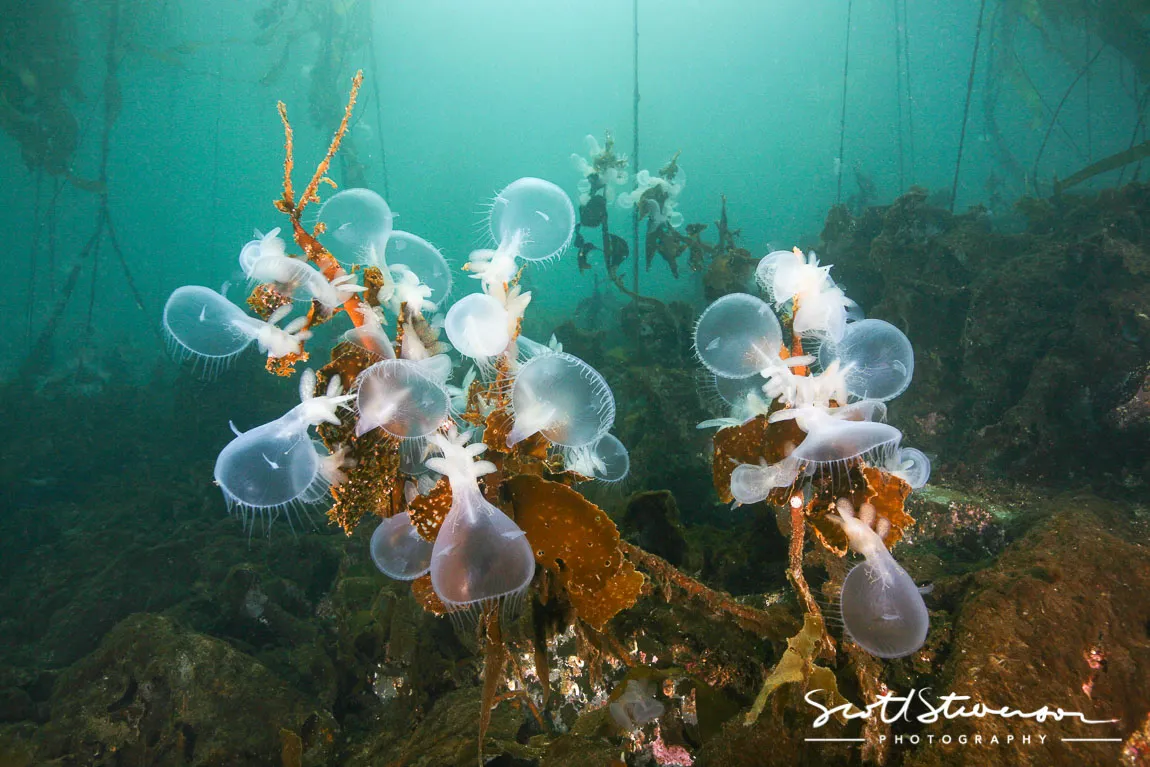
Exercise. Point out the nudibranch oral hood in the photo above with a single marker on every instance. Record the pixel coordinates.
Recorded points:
(401, 397)
(877, 359)
(398, 550)
(411, 253)
(198, 327)
(537, 213)
(355, 221)
(477, 326)
(607, 460)
(737, 335)
(912, 465)
(563, 398)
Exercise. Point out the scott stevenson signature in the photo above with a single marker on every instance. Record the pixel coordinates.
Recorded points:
(947, 707)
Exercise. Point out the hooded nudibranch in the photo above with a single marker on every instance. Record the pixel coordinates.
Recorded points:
(833, 441)
(606, 460)
(877, 359)
(476, 325)
(822, 309)
(404, 398)
(751, 483)
(737, 336)
(398, 550)
(205, 327)
(912, 465)
(420, 257)
(276, 467)
(480, 557)
(563, 398)
(882, 609)
(266, 260)
(540, 212)
(636, 706)
(355, 220)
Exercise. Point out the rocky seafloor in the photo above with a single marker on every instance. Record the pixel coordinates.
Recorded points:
(139, 626)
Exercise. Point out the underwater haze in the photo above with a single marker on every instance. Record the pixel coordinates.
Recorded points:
(613, 382)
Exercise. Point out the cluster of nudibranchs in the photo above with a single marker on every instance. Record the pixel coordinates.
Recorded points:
(823, 435)
(389, 414)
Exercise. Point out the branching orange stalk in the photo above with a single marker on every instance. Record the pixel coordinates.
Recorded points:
(287, 204)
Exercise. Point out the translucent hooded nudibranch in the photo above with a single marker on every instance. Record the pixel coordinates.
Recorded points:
(751, 483)
(882, 609)
(911, 465)
(407, 252)
(540, 211)
(277, 467)
(876, 357)
(606, 460)
(636, 706)
(203, 326)
(836, 439)
(480, 557)
(530, 219)
(737, 336)
(355, 220)
(820, 306)
(406, 399)
(563, 398)
(398, 550)
(265, 260)
(477, 326)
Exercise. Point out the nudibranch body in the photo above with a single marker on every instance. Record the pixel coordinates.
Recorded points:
(407, 399)
(911, 465)
(606, 460)
(480, 557)
(659, 186)
(636, 706)
(497, 266)
(410, 253)
(752, 483)
(820, 306)
(834, 441)
(602, 163)
(265, 260)
(882, 608)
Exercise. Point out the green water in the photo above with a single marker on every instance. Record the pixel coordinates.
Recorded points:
(140, 146)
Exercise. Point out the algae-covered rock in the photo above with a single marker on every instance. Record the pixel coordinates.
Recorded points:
(156, 693)
(448, 737)
(1060, 621)
(1027, 344)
